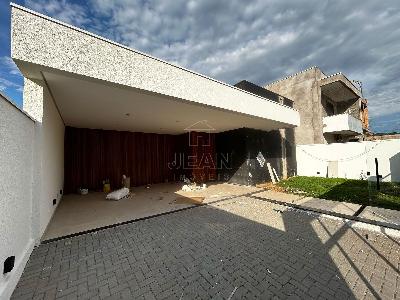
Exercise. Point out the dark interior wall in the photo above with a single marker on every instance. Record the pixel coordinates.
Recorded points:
(242, 146)
(350, 106)
(328, 106)
(93, 155)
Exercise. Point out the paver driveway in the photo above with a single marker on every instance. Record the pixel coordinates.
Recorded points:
(238, 248)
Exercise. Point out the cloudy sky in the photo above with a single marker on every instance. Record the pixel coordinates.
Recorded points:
(260, 41)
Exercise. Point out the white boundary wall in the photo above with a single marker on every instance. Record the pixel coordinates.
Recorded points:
(31, 176)
(350, 160)
(17, 155)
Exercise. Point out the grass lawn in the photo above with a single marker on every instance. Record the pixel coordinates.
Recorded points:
(349, 190)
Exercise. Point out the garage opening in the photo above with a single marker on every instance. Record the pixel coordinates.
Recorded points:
(157, 166)
(156, 141)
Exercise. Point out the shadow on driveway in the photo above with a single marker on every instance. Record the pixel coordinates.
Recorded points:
(238, 248)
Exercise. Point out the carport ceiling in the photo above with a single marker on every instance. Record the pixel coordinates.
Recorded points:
(88, 103)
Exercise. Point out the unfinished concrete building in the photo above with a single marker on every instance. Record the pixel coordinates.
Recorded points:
(332, 108)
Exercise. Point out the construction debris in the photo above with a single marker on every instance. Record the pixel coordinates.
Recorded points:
(192, 186)
(118, 194)
(271, 186)
(83, 191)
(189, 200)
(126, 181)
(271, 174)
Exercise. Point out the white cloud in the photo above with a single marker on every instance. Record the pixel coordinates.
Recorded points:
(62, 10)
(5, 84)
(10, 76)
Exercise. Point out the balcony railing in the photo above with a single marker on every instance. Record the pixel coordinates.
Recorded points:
(342, 124)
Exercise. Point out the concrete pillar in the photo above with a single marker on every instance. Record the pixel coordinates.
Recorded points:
(33, 99)
(284, 155)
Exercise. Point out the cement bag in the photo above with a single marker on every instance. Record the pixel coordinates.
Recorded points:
(118, 194)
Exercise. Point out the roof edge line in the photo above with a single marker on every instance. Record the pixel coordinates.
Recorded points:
(13, 104)
(291, 75)
(340, 73)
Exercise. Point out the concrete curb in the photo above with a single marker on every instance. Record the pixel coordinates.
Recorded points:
(354, 217)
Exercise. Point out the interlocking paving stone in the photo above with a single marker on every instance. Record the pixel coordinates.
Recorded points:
(239, 248)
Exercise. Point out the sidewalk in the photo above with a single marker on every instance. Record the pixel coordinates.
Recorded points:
(373, 215)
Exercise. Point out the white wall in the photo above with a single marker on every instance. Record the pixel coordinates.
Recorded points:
(16, 170)
(49, 164)
(388, 154)
(31, 175)
(354, 159)
(52, 152)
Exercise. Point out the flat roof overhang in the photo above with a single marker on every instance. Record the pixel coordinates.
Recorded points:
(97, 83)
(338, 88)
(89, 103)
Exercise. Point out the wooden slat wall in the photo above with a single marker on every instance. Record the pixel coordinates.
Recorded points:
(92, 155)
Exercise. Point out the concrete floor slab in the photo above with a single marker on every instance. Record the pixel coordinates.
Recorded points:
(79, 213)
